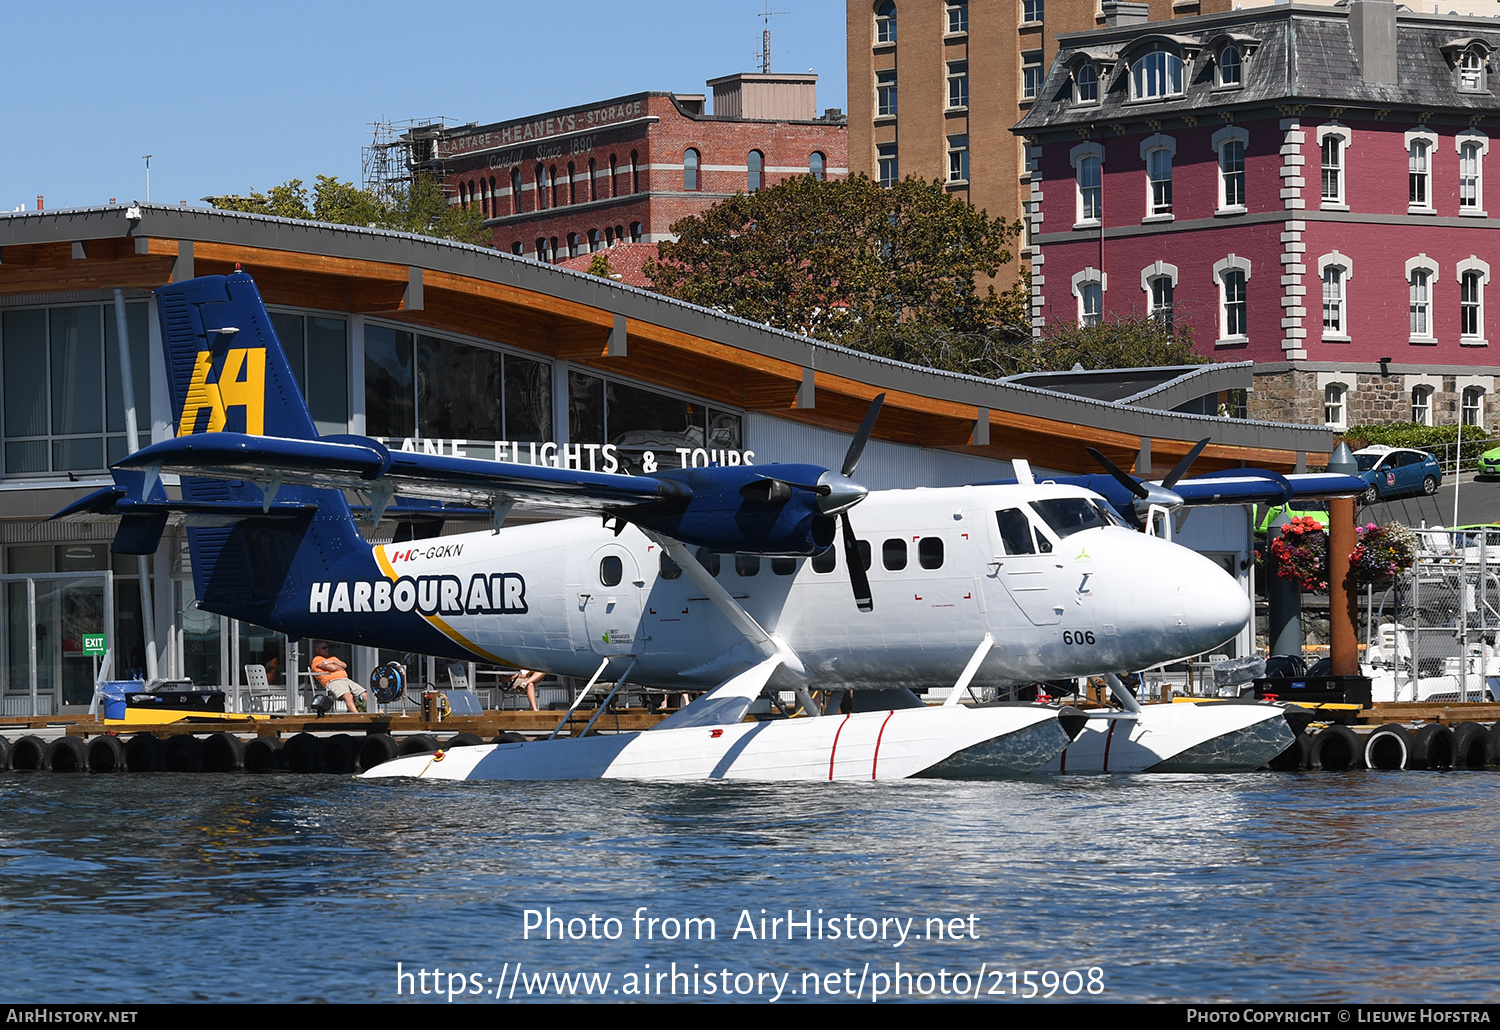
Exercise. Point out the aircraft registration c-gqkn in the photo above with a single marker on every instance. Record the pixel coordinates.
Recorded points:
(719, 579)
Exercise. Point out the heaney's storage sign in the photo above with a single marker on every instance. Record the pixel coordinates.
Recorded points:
(547, 125)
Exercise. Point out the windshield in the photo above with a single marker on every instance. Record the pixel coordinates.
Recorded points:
(1367, 461)
(1068, 515)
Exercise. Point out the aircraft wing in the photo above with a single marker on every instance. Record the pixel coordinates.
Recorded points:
(365, 465)
(1261, 486)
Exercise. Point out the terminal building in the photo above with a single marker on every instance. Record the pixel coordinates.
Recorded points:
(574, 181)
(464, 350)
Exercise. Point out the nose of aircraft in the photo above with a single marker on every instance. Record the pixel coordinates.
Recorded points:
(1187, 601)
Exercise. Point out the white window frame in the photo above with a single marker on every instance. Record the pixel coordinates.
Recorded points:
(1479, 74)
(1152, 78)
(1163, 151)
(1421, 405)
(1336, 405)
(1035, 8)
(885, 23)
(958, 85)
(1428, 141)
(1032, 74)
(1222, 269)
(1481, 144)
(1090, 284)
(1421, 263)
(956, 17)
(1078, 97)
(1342, 266)
(1343, 137)
(1079, 157)
(1159, 271)
(886, 97)
(1220, 79)
(1220, 140)
(958, 158)
(887, 153)
(1472, 265)
(1471, 414)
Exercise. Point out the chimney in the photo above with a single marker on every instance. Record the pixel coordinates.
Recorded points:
(1372, 27)
(1118, 13)
(38, 201)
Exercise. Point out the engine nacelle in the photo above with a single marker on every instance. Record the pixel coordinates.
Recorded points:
(720, 516)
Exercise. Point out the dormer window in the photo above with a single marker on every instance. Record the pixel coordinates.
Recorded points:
(1230, 67)
(1086, 85)
(1471, 71)
(1155, 75)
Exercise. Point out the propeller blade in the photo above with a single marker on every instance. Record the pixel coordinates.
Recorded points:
(857, 445)
(857, 576)
(1128, 482)
(1180, 469)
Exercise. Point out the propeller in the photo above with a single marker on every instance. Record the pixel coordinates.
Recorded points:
(1148, 494)
(843, 493)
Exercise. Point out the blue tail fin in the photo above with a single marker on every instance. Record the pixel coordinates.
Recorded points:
(227, 372)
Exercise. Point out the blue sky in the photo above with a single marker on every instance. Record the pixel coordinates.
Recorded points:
(233, 97)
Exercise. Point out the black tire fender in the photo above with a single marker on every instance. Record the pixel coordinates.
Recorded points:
(462, 740)
(264, 754)
(1336, 749)
(28, 753)
(418, 744)
(376, 749)
(1389, 747)
(183, 752)
(1471, 746)
(302, 753)
(67, 754)
(338, 753)
(106, 754)
(223, 752)
(143, 753)
(1432, 747)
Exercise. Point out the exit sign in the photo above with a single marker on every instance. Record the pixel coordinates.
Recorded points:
(95, 643)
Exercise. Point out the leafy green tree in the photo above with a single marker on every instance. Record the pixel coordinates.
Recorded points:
(1118, 343)
(848, 261)
(421, 208)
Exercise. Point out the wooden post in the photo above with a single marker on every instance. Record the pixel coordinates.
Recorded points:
(1343, 596)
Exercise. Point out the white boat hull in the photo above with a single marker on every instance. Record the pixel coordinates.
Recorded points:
(955, 743)
(1188, 737)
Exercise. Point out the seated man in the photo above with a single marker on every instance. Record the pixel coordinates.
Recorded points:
(332, 675)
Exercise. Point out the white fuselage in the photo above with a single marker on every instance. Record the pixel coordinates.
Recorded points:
(947, 568)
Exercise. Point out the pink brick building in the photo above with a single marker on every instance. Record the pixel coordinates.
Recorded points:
(1303, 186)
(577, 180)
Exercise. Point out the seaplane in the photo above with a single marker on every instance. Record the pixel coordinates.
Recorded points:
(737, 582)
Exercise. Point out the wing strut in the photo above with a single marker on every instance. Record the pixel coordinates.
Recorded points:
(742, 620)
(967, 676)
(599, 708)
(581, 695)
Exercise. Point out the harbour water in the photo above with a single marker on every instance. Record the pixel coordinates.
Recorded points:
(1359, 887)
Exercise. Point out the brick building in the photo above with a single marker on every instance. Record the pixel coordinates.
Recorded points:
(934, 87)
(1305, 186)
(576, 180)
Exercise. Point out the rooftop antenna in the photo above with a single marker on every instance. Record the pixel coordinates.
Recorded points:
(147, 159)
(765, 37)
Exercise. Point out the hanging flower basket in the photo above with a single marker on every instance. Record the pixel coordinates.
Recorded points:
(1382, 554)
(1301, 553)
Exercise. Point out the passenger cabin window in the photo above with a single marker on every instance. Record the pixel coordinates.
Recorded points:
(826, 562)
(747, 565)
(784, 566)
(930, 552)
(709, 560)
(611, 570)
(669, 568)
(893, 554)
(864, 553)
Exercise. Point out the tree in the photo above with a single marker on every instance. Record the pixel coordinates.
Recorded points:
(1119, 343)
(848, 261)
(421, 208)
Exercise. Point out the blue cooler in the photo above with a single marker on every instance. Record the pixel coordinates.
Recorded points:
(113, 693)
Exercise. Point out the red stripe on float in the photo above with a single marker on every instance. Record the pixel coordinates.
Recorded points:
(878, 737)
(835, 750)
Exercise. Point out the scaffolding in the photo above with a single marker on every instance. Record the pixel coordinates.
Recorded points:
(399, 150)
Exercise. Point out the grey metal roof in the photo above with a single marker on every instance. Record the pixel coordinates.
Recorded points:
(1305, 55)
(196, 224)
(1162, 387)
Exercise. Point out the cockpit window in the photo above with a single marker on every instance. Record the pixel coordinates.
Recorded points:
(1068, 515)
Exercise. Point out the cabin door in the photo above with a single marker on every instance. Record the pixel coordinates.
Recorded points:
(611, 601)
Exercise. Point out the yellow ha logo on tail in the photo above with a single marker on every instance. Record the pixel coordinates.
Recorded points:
(239, 385)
